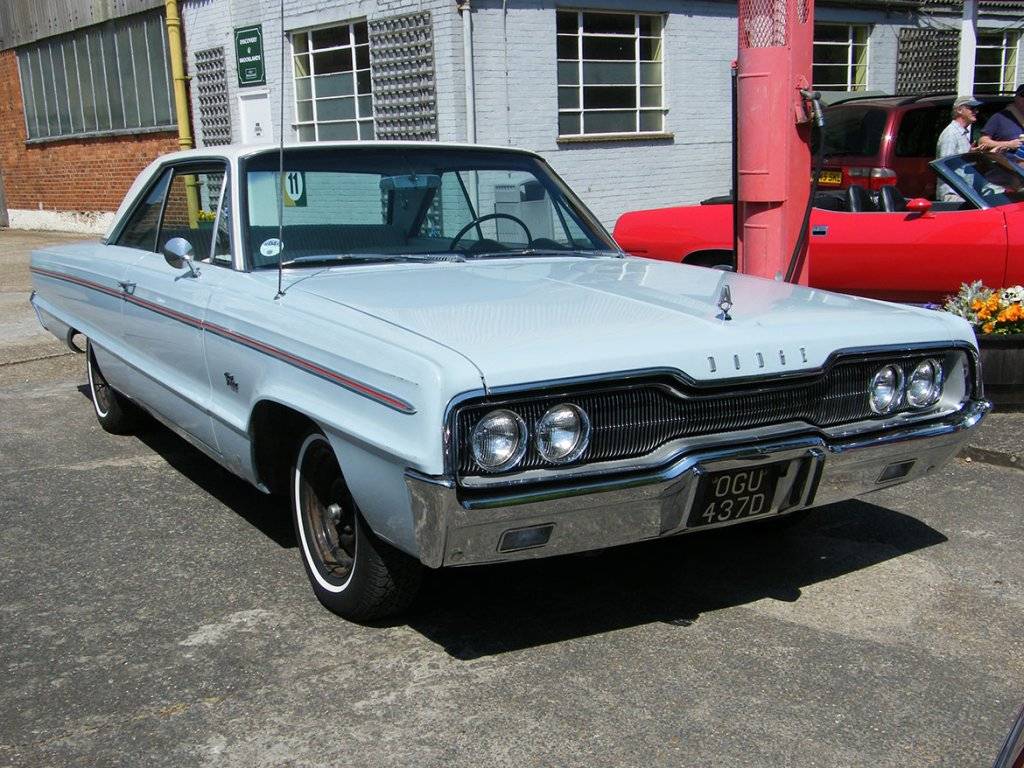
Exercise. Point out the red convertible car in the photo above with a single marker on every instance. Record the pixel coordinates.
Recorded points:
(884, 246)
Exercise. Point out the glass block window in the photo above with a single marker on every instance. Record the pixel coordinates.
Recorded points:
(610, 68)
(995, 61)
(113, 77)
(333, 99)
(840, 57)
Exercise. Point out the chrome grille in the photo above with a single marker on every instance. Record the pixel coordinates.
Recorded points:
(635, 420)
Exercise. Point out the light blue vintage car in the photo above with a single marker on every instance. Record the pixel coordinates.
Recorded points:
(455, 364)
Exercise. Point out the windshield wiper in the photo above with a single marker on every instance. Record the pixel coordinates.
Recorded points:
(529, 252)
(363, 258)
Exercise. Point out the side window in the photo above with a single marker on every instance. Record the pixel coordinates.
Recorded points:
(919, 130)
(140, 231)
(222, 242)
(191, 211)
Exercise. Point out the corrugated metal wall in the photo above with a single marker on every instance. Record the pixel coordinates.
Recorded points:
(24, 21)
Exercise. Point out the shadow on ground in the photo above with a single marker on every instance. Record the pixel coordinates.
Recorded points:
(481, 611)
(263, 512)
(474, 612)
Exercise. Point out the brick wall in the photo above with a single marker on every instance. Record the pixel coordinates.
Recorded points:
(68, 175)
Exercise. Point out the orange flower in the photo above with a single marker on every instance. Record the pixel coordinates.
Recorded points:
(988, 327)
(1012, 314)
(984, 313)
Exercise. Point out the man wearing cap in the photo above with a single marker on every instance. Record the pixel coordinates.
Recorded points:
(956, 139)
(1003, 131)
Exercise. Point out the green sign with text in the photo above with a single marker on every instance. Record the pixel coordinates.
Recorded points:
(249, 56)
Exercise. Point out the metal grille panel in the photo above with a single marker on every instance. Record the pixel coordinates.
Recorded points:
(927, 61)
(211, 85)
(762, 23)
(629, 422)
(402, 69)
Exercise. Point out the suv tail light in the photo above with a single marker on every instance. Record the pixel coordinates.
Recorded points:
(876, 177)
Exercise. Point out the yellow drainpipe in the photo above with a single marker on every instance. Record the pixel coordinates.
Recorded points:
(175, 48)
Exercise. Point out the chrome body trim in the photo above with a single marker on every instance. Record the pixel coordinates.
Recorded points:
(453, 528)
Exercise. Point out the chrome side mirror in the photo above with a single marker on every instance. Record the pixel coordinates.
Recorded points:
(178, 253)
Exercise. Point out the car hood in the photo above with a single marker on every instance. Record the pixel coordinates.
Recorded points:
(531, 320)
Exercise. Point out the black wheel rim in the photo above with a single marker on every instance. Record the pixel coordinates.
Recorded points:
(101, 393)
(326, 513)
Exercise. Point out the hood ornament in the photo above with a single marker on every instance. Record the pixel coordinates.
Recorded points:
(725, 303)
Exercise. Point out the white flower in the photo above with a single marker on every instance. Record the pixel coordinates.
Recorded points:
(1014, 294)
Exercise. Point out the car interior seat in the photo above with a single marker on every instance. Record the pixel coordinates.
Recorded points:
(892, 199)
(858, 200)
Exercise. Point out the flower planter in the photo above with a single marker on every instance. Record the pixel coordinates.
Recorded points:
(1002, 369)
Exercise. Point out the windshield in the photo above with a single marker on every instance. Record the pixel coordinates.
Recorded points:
(380, 203)
(989, 179)
(853, 130)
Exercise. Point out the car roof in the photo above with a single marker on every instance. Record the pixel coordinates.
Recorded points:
(237, 151)
(927, 99)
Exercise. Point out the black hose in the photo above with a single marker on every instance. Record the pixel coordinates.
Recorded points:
(819, 120)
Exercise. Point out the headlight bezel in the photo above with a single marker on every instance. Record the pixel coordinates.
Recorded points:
(517, 454)
(898, 389)
(935, 386)
(581, 443)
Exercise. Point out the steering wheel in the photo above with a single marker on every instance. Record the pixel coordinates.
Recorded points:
(487, 217)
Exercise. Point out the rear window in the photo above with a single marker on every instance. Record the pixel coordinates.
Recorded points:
(854, 130)
(919, 131)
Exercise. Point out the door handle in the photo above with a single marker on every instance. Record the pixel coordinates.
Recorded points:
(126, 287)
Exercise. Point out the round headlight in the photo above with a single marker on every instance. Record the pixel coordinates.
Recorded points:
(499, 440)
(886, 389)
(563, 434)
(925, 385)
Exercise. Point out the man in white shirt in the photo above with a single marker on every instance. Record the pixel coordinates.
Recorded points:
(955, 139)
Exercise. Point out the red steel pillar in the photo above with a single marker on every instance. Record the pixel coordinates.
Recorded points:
(776, 38)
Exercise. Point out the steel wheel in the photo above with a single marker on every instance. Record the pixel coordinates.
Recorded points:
(352, 572)
(115, 413)
(327, 515)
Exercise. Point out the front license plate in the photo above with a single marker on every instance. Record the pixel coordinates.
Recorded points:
(830, 177)
(734, 494)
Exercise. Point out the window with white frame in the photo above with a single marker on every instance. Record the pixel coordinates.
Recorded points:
(610, 73)
(333, 98)
(840, 57)
(995, 61)
(113, 77)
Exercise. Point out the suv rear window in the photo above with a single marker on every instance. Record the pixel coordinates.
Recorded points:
(919, 131)
(854, 130)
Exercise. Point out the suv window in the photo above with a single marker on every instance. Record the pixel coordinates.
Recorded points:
(919, 131)
(854, 130)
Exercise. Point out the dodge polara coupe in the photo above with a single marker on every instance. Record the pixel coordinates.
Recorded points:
(441, 358)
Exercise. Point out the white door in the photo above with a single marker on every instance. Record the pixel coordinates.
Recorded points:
(256, 117)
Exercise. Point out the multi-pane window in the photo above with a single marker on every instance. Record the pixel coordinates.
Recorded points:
(840, 57)
(333, 98)
(995, 61)
(610, 73)
(110, 77)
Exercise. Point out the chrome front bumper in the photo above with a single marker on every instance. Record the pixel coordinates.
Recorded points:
(621, 510)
